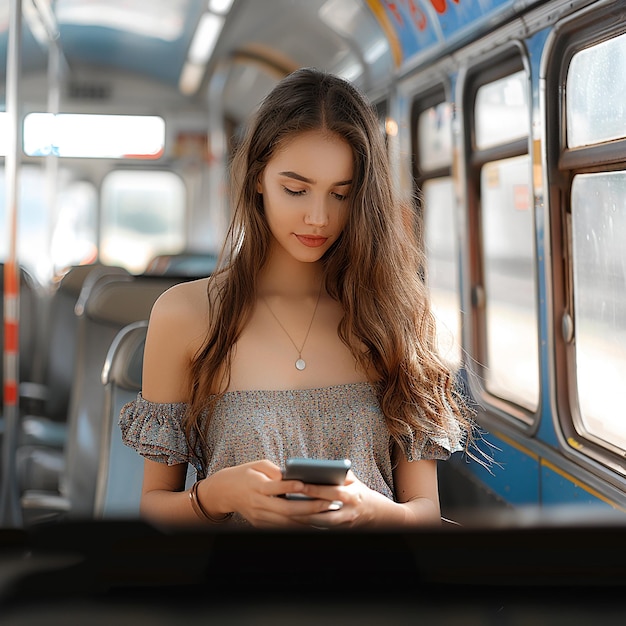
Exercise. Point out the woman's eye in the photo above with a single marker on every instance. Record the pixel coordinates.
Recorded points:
(338, 196)
(291, 192)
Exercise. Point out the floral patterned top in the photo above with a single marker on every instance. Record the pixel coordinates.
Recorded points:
(337, 422)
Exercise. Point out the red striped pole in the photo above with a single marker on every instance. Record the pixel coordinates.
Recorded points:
(11, 333)
(10, 508)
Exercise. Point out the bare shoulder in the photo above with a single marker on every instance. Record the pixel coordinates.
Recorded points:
(184, 302)
(179, 317)
(176, 330)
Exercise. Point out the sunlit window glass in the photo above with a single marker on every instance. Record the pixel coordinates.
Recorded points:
(143, 215)
(94, 136)
(33, 221)
(596, 93)
(75, 234)
(434, 133)
(443, 265)
(599, 268)
(501, 111)
(512, 368)
(42, 242)
(4, 133)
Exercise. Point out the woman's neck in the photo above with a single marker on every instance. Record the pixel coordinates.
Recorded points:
(283, 275)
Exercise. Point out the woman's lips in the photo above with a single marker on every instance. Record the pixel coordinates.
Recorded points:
(311, 241)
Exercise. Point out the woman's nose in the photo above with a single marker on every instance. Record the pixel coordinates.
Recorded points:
(317, 213)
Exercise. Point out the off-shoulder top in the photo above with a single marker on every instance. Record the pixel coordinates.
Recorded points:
(342, 421)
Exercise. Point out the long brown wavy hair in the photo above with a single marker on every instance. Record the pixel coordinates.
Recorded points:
(374, 270)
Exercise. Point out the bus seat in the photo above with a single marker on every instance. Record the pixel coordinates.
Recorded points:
(45, 419)
(110, 303)
(120, 473)
(187, 264)
(62, 336)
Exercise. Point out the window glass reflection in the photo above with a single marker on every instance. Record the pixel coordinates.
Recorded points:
(596, 94)
(599, 272)
(443, 265)
(143, 215)
(94, 136)
(501, 111)
(512, 368)
(45, 243)
(434, 134)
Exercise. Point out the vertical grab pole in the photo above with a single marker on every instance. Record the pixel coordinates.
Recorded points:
(55, 59)
(10, 509)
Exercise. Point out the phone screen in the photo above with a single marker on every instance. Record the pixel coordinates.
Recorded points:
(317, 471)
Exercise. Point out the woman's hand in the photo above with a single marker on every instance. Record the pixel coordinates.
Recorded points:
(350, 505)
(255, 490)
(359, 506)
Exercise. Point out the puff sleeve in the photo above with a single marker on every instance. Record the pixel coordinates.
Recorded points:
(155, 430)
(434, 442)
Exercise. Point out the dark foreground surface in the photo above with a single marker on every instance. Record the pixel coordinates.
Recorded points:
(131, 573)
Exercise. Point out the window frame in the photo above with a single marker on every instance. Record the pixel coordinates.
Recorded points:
(499, 64)
(124, 171)
(563, 165)
(433, 95)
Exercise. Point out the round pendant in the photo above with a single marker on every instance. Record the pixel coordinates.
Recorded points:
(300, 364)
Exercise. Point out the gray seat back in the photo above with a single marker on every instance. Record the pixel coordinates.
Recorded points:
(190, 264)
(120, 473)
(111, 303)
(62, 331)
(44, 422)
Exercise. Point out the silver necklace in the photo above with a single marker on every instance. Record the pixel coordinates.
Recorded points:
(300, 362)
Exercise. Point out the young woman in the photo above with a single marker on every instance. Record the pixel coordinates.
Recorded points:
(314, 338)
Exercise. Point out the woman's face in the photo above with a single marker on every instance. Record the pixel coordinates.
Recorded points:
(305, 188)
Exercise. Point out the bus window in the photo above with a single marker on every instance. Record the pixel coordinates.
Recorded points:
(434, 159)
(509, 352)
(43, 240)
(501, 113)
(595, 99)
(4, 133)
(75, 234)
(143, 215)
(509, 271)
(595, 115)
(91, 136)
(434, 135)
(599, 272)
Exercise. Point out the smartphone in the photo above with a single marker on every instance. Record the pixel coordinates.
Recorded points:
(315, 471)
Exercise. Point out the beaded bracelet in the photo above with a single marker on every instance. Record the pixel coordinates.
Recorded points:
(199, 509)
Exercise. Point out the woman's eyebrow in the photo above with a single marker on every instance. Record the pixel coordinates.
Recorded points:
(310, 181)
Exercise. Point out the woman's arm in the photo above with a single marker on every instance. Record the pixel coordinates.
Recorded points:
(164, 498)
(176, 330)
(417, 490)
(250, 489)
(163, 495)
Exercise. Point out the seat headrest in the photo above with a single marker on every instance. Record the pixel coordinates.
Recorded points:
(74, 279)
(124, 362)
(121, 302)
